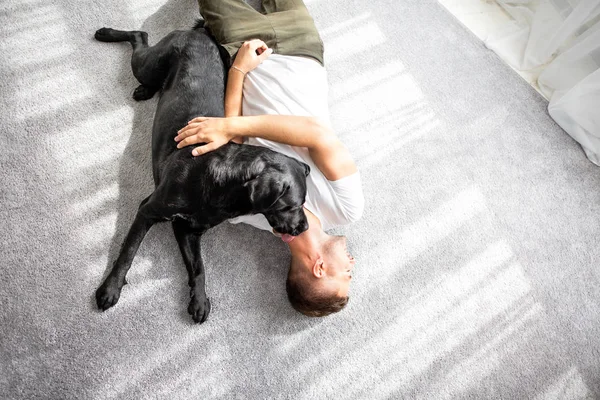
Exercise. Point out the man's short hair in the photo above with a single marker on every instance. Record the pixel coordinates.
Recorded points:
(310, 300)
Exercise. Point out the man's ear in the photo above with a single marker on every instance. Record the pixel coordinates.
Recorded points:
(318, 268)
(264, 191)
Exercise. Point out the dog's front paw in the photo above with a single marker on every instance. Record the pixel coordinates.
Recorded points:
(199, 308)
(108, 294)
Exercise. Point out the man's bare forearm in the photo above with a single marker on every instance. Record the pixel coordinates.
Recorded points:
(234, 92)
(325, 149)
(298, 131)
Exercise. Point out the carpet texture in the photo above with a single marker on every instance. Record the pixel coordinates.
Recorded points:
(478, 258)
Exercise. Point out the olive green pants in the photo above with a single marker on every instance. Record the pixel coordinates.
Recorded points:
(284, 25)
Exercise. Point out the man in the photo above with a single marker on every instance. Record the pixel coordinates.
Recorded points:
(276, 97)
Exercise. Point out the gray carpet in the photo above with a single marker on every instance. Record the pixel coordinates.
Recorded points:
(478, 272)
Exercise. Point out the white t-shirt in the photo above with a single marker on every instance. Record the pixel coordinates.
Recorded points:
(290, 85)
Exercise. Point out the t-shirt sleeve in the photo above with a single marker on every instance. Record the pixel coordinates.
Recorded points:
(349, 193)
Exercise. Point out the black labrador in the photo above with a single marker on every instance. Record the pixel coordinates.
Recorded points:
(197, 193)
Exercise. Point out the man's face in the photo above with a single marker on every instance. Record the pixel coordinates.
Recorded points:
(339, 264)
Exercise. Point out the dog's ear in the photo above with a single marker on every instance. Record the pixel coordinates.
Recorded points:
(306, 169)
(265, 190)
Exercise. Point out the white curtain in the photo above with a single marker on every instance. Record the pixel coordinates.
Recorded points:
(559, 42)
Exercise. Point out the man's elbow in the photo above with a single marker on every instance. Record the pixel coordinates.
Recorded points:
(353, 211)
(356, 213)
(324, 133)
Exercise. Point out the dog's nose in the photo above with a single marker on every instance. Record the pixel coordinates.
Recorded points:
(303, 226)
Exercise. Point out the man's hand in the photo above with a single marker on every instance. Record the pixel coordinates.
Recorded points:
(212, 131)
(250, 55)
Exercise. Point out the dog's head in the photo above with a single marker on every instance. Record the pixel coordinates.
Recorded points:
(279, 195)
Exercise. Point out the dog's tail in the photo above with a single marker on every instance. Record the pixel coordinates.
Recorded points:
(198, 25)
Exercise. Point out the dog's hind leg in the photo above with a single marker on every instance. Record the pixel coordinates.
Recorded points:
(114, 35)
(149, 64)
(109, 292)
(189, 244)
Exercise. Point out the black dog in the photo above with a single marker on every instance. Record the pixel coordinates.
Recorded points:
(197, 193)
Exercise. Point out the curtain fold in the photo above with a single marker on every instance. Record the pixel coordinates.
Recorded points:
(559, 41)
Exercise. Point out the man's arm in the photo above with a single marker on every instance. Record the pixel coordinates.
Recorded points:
(250, 54)
(326, 150)
(233, 93)
(234, 96)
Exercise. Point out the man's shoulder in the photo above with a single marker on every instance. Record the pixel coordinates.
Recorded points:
(335, 203)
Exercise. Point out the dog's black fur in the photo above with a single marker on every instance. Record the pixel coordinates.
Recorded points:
(197, 193)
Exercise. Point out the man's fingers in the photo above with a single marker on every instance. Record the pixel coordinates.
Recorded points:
(265, 54)
(193, 139)
(256, 43)
(198, 119)
(262, 50)
(198, 151)
(263, 46)
(182, 134)
(188, 130)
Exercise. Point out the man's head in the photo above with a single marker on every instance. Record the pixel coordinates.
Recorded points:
(319, 287)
